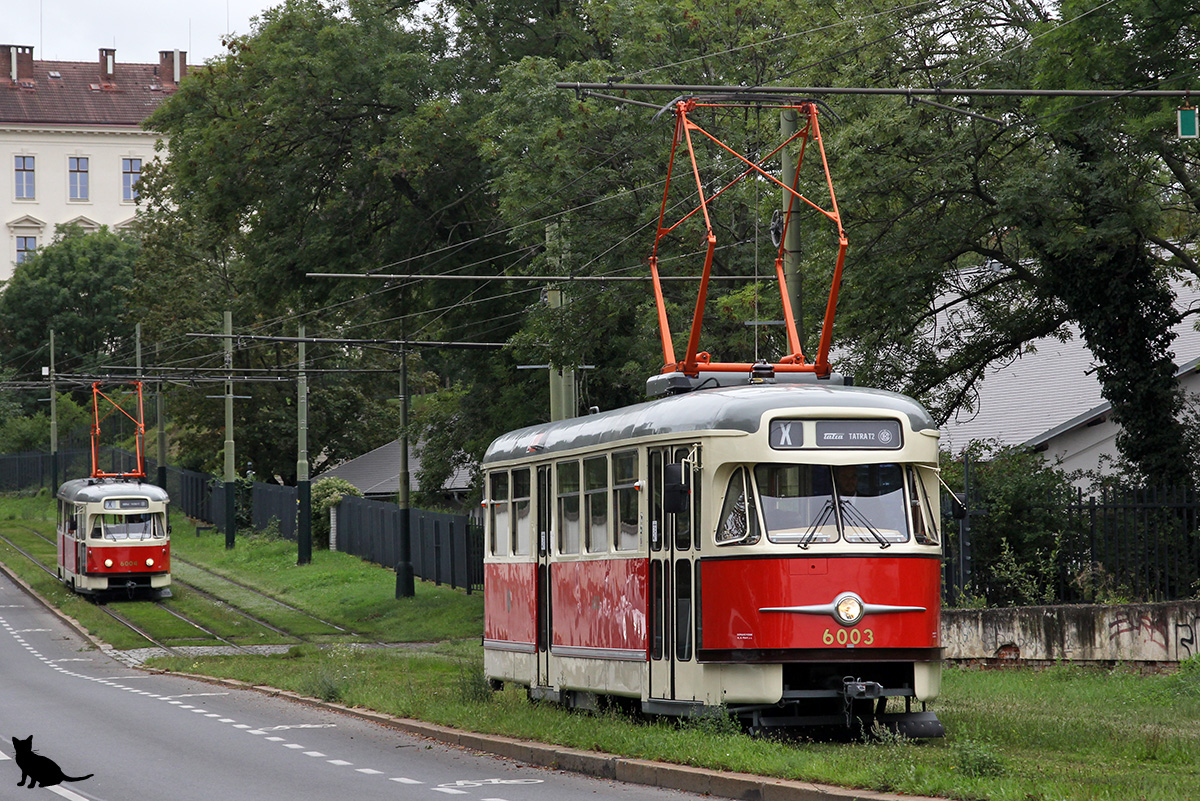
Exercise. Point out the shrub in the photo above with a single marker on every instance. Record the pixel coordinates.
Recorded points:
(326, 494)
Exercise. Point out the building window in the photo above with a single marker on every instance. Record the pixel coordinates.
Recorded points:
(24, 167)
(77, 168)
(131, 173)
(26, 245)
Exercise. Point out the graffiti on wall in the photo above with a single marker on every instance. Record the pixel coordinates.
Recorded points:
(1186, 635)
(1142, 627)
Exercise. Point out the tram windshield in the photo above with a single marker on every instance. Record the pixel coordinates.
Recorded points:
(129, 527)
(806, 504)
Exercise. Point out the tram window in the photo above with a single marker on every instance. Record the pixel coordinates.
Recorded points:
(683, 610)
(656, 501)
(499, 512)
(797, 502)
(683, 522)
(595, 497)
(815, 503)
(625, 500)
(871, 503)
(568, 507)
(522, 522)
(739, 515)
(128, 527)
(924, 525)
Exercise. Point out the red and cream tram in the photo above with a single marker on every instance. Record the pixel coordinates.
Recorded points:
(113, 536)
(113, 530)
(762, 539)
(770, 548)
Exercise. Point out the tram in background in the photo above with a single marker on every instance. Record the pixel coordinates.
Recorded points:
(113, 530)
(762, 538)
(113, 536)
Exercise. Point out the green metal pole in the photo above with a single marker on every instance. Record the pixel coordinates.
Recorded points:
(230, 465)
(53, 420)
(405, 576)
(303, 487)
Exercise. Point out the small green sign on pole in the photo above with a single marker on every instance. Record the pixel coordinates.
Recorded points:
(1189, 127)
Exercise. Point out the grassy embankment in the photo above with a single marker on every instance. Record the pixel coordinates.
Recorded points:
(1064, 733)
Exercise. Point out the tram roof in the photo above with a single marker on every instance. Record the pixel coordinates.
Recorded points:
(732, 408)
(88, 490)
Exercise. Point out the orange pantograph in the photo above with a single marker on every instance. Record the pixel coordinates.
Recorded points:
(111, 407)
(808, 131)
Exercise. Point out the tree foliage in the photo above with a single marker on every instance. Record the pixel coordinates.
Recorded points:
(79, 286)
(358, 136)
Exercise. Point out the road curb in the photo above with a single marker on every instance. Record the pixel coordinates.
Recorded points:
(701, 781)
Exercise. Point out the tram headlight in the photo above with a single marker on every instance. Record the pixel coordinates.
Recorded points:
(149, 563)
(108, 563)
(848, 609)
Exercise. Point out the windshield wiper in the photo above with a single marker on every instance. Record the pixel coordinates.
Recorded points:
(820, 520)
(853, 516)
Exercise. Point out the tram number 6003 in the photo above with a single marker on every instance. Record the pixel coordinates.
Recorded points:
(848, 637)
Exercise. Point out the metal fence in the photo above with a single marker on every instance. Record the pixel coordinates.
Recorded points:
(274, 503)
(445, 548)
(1137, 545)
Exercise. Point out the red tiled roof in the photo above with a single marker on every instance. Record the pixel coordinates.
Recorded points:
(80, 97)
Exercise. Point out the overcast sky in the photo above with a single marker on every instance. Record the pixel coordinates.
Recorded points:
(75, 30)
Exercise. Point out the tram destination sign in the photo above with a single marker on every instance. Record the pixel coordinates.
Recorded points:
(872, 434)
(786, 434)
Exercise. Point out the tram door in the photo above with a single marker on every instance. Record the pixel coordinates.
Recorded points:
(672, 619)
(545, 507)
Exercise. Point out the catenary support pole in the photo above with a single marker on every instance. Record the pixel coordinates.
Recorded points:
(53, 421)
(230, 464)
(303, 487)
(405, 577)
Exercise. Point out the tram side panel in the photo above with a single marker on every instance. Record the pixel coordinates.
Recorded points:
(510, 621)
(600, 637)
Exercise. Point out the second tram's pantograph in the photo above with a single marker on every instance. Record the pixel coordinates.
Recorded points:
(762, 538)
(113, 530)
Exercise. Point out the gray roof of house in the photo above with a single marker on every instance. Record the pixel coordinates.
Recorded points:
(1052, 388)
(378, 472)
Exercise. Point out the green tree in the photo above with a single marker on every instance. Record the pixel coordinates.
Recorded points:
(983, 236)
(333, 138)
(80, 286)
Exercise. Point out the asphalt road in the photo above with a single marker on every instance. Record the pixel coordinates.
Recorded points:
(151, 736)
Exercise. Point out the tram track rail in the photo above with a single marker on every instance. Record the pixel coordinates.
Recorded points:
(125, 620)
(207, 595)
(119, 618)
(260, 594)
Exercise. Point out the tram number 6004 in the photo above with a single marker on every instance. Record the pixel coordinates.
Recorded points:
(848, 637)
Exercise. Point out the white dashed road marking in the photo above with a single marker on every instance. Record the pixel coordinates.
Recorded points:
(173, 700)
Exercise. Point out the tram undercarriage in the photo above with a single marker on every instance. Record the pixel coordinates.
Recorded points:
(821, 699)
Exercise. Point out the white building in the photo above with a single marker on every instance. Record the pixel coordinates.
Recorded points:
(1048, 399)
(71, 142)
